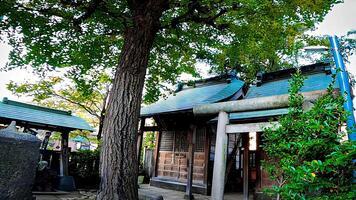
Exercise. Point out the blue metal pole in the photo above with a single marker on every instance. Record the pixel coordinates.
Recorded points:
(343, 80)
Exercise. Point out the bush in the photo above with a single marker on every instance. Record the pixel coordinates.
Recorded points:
(307, 157)
(84, 167)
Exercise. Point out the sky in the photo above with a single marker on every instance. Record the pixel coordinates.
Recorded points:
(338, 21)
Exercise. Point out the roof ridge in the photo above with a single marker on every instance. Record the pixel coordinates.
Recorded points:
(316, 68)
(229, 85)
(41, 108)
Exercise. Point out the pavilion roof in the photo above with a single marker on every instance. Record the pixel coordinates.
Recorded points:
(210, 91)
(38, 116)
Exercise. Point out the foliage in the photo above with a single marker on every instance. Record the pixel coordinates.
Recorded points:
(60, 93)
(307, 157)
(84, 167)
(56, 136)
(165, 38)
(149, 140)
(347, 47)
(86, 37)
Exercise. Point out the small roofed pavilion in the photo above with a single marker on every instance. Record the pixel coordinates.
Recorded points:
(36, 117)
(183, 140)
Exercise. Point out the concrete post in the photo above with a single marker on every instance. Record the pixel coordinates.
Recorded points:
(245, 141)
(220, 158)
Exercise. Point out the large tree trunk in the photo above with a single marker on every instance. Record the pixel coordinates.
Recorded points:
(119, 166)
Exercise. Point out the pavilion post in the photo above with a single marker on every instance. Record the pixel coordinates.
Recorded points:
(64, 157)
(246, 141)
(192, 140)
(66, 182)
(220, 157)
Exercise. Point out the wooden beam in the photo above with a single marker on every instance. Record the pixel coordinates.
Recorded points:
(206, 155)
(246, 141)
(249, 127)
(156, 152)
(191, 149)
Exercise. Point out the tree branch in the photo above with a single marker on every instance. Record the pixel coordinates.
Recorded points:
(89, 11)
(90, 111)
(198, 13)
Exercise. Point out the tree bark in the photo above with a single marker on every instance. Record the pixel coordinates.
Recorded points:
(119, 166)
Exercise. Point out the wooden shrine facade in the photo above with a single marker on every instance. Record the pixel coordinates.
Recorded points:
(204, 131)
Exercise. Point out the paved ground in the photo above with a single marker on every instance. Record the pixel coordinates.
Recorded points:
(77, 195)
(144, 191)
(177, 195)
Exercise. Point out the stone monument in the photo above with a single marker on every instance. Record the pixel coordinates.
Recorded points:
(19, 155)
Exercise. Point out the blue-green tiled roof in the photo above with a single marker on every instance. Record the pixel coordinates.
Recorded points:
(17, 111)
(188, 98)
(313, 82)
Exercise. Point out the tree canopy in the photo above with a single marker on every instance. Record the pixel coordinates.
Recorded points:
(160, 37)
(87, 36)
(61, 93)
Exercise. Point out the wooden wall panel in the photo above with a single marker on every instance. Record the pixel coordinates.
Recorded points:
(173, 156)
(174, 166)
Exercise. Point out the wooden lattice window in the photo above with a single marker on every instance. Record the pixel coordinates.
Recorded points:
(166, 143)
(200, 140)
(181, 141)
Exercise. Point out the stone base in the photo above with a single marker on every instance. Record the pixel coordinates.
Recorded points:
(66, 183)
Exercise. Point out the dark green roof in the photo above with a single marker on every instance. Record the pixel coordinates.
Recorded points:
(314, 82)
(190, 97)
(41, 116)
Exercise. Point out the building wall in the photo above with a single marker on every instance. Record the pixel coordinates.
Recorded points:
(173, 156)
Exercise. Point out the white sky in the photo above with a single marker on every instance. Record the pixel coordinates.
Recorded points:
(338, 21)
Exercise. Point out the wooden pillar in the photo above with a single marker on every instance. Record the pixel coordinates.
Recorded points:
(246, 141)
(206, 155)
(156, 152)
(192, 140)
(139, 139)
(64, 157)
(220, 158)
